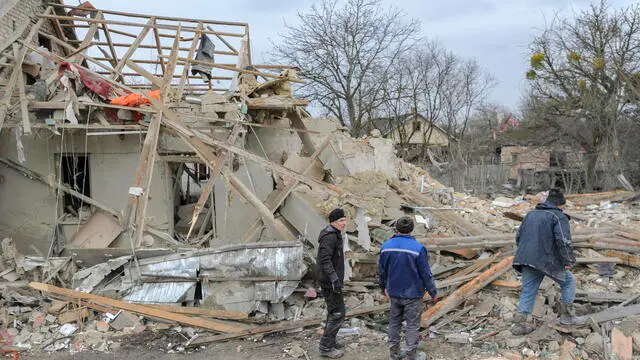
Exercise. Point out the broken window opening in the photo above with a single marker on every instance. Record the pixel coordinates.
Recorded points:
(417, 126)
(74, 171)
(44, 41)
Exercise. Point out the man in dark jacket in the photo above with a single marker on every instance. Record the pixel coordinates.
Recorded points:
(404, 273)
(331, 275)
(545, 249)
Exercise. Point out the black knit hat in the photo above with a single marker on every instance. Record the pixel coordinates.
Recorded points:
(336, 214)
(404, 225)
(556, 197)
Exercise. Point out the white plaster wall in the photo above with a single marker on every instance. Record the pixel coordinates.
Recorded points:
(28, 207)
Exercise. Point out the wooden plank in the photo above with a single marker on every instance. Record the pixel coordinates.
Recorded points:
(614, 313)
(566, 350)
(140, 309)
(135, 24)
(264, 212)
(277, 197)
(170, 18)
(156, 36)
(24, 110)
(200, 311)
(627, 259)
(287, 325)
(16, 75)
(112, 48)
(186, 65)
(461, 294)
(621, 345)
(213, 174)
(233, 68)
(133, 47)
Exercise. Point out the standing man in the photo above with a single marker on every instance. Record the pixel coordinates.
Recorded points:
(331, 273)
(545, 249)
(405, 274)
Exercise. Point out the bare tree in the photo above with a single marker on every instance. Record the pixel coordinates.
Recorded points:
(345, 52)
(579, 66)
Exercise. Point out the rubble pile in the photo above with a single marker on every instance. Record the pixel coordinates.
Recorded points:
(205, 206)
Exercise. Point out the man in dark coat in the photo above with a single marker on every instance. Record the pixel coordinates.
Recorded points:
(331, 276)
(405, 275)
(545, 249)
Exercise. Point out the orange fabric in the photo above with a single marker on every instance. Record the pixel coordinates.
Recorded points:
(135, 100)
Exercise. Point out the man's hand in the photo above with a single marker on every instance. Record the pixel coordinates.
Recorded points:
(568, 267)
(436, 299)
(336, 286)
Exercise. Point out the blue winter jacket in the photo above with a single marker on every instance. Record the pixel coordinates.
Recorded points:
(403, 268)
(544, 241)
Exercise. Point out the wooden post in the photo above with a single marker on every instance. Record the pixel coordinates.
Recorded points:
(185, 66)
(133, 47)
(459, 296)
(24, 110)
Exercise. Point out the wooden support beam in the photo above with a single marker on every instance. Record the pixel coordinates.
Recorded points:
(288, 325)
(626, 258)
(277, 197)
(214, 325)
(24, 110)
(185, 67)
(213, 174)
(205, 312)
(614, 313)
(461, 294)
(264, 212)
(109, 43)
(133, 47)
(233, 68)
(135, 24)
(170, 18)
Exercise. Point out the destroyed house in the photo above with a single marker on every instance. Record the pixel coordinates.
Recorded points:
(130, 136)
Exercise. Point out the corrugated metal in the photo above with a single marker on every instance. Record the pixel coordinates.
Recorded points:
(283, 262)
(154, 293)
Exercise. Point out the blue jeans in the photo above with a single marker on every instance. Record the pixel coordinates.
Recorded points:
(531, 279)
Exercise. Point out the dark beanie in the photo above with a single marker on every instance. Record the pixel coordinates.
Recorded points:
(336, 214)
(556, 197)
(404, 225)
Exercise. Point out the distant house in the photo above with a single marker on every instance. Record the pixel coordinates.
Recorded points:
(542, 166)
(410, 132)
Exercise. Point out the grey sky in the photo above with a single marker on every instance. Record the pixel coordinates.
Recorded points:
(495, 32)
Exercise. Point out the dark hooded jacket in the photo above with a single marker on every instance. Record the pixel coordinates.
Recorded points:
(330, 257)
(544, 241)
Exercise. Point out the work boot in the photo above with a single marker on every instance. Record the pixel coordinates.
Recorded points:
(332, 354)
(338, 345)
(520, 326)
(394, 352)
(568, 315)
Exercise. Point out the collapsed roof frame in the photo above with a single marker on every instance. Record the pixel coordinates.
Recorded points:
(210, 151)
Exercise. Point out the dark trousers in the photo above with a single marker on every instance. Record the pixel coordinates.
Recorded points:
(335, 318)
(408, 310)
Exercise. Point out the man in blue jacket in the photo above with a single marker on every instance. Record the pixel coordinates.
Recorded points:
(545, 249)
(405, 274)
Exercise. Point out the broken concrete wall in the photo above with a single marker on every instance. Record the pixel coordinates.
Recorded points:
(233, 215)
(32, 204)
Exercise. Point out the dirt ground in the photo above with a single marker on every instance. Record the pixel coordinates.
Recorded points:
(147, 346)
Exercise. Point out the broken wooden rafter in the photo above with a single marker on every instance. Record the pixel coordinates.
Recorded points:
(232, 68)
(626, 259)
(218, 326)
(133, 47)
(277, 197)
(461, 294)
(168, 18)
(24, 111)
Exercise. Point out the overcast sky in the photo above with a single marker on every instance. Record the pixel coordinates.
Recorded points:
(495, 32)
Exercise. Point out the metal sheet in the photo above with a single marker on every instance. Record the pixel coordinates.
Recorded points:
(158, 293)
(265, 262)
